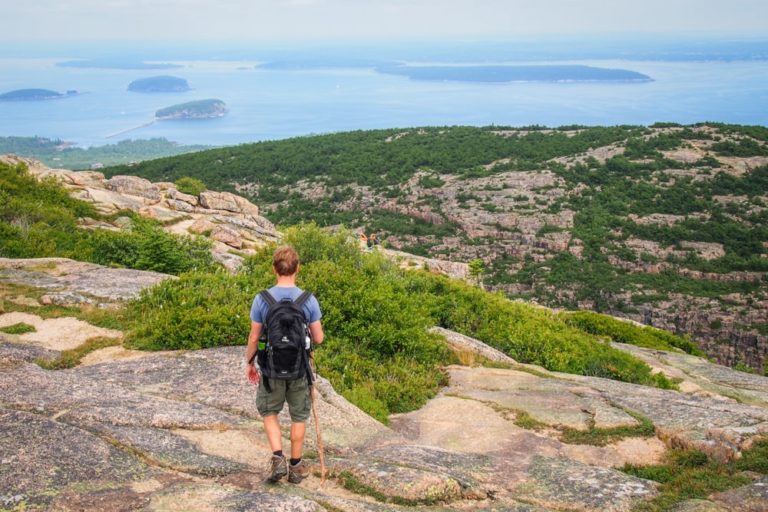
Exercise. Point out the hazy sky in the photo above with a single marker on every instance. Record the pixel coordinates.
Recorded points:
(198, 20)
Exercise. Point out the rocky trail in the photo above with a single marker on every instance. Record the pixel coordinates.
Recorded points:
(179, 431)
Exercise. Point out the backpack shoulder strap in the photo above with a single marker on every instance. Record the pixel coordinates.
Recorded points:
(270, 301)
(268, 298)
(303, 298)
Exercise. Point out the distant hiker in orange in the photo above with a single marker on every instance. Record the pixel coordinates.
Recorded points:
(290, 320)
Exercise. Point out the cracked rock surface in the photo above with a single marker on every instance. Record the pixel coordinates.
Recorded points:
(180, 431)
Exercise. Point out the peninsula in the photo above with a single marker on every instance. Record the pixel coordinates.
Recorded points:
(504, 73)
(163, 83)
(200, 109)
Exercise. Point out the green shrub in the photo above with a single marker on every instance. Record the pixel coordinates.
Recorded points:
(626, 332)
(364, 397)
(199, 310)
(378, 352)
(38, 218)
(524, 332)
(191, 186)
(147, 246)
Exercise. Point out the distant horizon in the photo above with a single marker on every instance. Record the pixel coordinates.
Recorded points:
(551, 46)
(306, 21)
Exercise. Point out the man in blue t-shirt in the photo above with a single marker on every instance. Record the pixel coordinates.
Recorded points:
(285, 264)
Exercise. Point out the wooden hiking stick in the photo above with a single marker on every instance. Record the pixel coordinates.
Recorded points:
(320, 450)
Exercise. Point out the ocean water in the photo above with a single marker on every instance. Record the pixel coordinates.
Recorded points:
(275, 104)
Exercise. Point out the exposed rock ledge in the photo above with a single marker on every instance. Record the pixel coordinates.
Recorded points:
(180, 431)
(231, 221)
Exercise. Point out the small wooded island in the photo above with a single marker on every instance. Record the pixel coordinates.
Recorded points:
(164, 83)
(35, 95)
(200, 109)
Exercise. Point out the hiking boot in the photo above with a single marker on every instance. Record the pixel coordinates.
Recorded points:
(297, 472)
(278, 468)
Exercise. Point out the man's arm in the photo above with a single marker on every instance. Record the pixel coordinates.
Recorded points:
(316, 332)
(253, 342)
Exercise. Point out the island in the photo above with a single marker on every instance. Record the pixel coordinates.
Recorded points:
(35, 95)
(510, 73)
(162, 83)
(200, 109)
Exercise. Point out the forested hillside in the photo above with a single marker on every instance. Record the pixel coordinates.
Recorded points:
(666, 224)
(58, 153)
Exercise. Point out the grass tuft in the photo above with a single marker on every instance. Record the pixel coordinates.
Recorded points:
(71, 358)
(19, 328)
(603, 436)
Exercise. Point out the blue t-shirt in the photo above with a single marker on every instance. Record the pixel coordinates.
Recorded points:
(311, 308)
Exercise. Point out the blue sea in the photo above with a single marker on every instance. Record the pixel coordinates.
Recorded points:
(279, 103)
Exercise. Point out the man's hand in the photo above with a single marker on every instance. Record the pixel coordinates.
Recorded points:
(252, 373)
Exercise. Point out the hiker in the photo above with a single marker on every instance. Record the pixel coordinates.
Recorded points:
(290, 320)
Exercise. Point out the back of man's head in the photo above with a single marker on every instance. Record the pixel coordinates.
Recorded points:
(285, 261)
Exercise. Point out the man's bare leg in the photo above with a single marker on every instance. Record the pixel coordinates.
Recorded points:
(274, 436)
(297, 439)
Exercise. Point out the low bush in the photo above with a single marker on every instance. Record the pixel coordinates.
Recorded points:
(378, 352)
(147, 246)
(626, 332)
(191, 186)
(37, 218)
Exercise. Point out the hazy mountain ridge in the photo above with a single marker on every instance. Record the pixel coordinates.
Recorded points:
(664, 225)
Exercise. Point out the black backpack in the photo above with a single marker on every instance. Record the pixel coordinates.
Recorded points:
(286, 355)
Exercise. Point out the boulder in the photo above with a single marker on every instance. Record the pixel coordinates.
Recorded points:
(108, 201)
(163, 215)
(87, 179)
(201, 226)
(134, 186)
(227, 235)
(181, 196)
(181, 206)
(218, 201)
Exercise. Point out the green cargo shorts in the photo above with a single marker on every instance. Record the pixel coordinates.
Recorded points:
(295, 392)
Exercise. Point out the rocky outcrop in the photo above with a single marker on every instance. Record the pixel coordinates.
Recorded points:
(133, 186)
(453, 269)
(180, 429)
(230, 219)
(68, 282)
